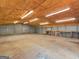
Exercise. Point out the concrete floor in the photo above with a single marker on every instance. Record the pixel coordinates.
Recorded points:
(32, 46)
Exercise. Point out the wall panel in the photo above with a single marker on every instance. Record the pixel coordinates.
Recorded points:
(15, 29)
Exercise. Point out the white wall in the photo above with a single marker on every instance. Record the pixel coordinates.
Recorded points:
(15, 29)
(60, 28)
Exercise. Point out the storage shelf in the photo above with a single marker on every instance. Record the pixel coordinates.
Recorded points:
(67, 34)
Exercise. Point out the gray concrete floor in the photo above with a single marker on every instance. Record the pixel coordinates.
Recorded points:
(32, 46)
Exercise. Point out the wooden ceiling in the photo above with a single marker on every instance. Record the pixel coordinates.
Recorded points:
(12, 10)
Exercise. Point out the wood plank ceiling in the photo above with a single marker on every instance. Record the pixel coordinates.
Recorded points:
(12, 10)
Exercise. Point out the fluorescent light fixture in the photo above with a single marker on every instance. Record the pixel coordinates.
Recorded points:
(51, 14)
(66, 20)
(44, 23)
(15, 22)
(25, 22)
(27, 14)
(33, 20)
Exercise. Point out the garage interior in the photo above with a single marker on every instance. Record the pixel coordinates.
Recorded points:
(39, 29)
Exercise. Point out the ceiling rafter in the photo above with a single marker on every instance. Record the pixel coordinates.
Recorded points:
(15, 8)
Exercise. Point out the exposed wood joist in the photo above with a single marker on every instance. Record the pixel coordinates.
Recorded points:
(11, 10)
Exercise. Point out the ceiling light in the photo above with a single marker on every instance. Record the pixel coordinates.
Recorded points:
(44, 23)
(51, 14)
(66, 20)
(15, 22)
(33, 20)
(27, 14)
(25, 22)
